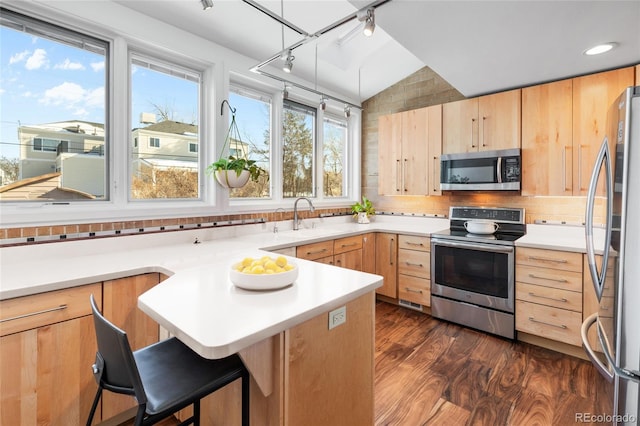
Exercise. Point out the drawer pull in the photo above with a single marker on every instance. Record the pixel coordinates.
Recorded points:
(547, 259)
(348, 245)
(317, 251)
(562, 299)
(562, 326)
(59, 308)
(413, 290)
(561, 280)
(419, 265)
(411, 243)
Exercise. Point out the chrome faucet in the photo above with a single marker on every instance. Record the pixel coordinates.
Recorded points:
(295, 211)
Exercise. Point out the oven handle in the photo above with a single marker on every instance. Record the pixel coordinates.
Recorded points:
(483, 247)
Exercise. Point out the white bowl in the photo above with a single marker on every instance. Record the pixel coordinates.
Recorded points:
(263, 281)
(481, 226)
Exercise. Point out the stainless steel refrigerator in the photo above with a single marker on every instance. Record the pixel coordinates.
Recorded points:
(614, 261)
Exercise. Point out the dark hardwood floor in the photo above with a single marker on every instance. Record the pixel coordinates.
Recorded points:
(431, 372)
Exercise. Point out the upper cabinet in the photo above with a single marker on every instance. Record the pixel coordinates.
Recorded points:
(408, 143)
(482, 124)
(562, 129)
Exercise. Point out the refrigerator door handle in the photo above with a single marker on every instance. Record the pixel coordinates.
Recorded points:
(603, 158)
(584, 330)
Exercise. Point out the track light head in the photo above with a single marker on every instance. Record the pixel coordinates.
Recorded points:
(288, 62)
(369, 23)
(285, 92)
(347, 111)
(323, 103)
(206, 4)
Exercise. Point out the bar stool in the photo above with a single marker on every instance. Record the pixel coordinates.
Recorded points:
(164, 377)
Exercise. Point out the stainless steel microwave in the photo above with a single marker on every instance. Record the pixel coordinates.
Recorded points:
(497, 170)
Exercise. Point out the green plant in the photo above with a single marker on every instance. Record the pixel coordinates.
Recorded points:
(231, 162)
(366, 206)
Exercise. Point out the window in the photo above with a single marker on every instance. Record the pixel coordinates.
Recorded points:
(298, 144)
(253, 118)
(165, 99)
(55, 81)
(334, 145)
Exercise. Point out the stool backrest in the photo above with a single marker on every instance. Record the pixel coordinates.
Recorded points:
(115, 368)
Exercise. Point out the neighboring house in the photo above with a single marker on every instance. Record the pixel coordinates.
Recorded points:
(47, 186)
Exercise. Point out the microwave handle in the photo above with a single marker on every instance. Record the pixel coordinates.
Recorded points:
(499, 170)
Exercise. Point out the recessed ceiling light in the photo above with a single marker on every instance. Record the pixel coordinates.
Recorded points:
(601, 48)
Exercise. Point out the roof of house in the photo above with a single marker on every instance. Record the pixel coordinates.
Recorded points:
(41, 187)
(176, 127)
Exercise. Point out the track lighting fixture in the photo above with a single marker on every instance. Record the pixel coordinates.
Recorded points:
(369, 23)
(206, 4)
(323, 103)
(347, 111)
(288, 62)
(285, 92)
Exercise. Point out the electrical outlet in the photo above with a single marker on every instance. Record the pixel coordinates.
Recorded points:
(337, 317)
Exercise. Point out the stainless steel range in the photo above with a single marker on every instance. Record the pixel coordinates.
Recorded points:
(473, 275)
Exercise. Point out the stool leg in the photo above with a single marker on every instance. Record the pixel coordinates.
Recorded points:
(196, 413)
(245, 399)
(94, 406)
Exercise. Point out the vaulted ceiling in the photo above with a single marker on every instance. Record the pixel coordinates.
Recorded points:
(477, 46)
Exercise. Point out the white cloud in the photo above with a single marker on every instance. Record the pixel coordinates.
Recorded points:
(95, 97)
(66, 93)
(18, 57)
(97, 66)
(80, 112)
(68, 65)
(37, 60)
(2, 91)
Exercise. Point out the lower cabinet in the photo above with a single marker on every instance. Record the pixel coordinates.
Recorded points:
(344, 252)
(414, 269)
(47, 348)
(387, 263)
(549, 294)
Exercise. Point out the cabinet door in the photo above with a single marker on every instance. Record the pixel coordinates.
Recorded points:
(460, 126)
(46, 374)
(499, 118)
(415, 152)
(547, 139)
(369, 253)
(350, 260)
(386, 263)
(120, 306)
(592, 96)
(389, 153)
(435, 149)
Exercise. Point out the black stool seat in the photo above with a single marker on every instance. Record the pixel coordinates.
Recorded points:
(164, 377)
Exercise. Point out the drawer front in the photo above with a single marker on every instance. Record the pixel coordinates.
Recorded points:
(315, 251)
(414, 263)
(38, 310)
(564, 280)
(342, 245)
(554, 259)
(413, 289)
(550, 323)
(411, 242)
(548, 296)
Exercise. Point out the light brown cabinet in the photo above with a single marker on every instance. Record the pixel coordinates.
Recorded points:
(562, 129)
(46, 352)
(344, 252)
(369, 253)
(386, 263)
(482, 124)
(409, 148)
(414, 269)
(549, 294)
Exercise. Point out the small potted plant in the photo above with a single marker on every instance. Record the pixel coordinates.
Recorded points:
(362, 211)
(231, 171)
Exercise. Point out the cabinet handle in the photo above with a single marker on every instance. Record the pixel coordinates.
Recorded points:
(562, 299)
(562, 326)
(558, 280)
(397, 175)
(548, 259)
(348, 245)
(44, 311)
(391, 251)
(435, 176)
(564, 168)
(411, 290)
(317, 251)
(483, 126)
(404, 175)
(411, 243)
(473, 120)
(419, 265)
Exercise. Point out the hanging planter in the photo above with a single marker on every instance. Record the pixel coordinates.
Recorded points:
(232, 172)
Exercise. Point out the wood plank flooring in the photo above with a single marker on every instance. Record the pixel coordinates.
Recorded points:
(431, 372)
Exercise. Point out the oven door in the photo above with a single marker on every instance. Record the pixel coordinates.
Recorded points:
(481, 274)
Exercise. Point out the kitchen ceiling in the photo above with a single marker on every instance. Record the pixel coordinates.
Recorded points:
(477, 46)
